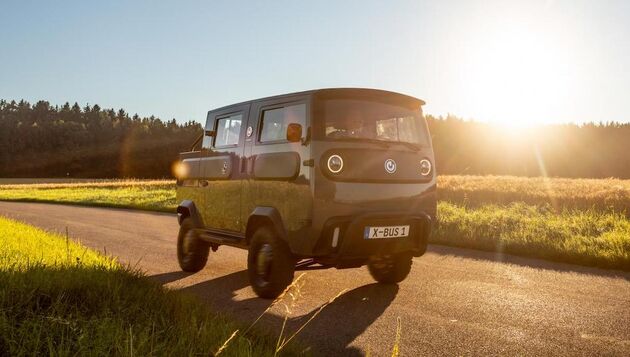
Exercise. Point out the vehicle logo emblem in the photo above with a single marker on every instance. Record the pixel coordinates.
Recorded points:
(250, 131)
(390, 166)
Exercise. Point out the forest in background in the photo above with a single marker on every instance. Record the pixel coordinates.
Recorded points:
(593, 150)
(42, 140)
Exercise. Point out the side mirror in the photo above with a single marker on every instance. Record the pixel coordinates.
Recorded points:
(210, 132)
(294, 133)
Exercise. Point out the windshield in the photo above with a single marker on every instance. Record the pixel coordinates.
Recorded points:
(347, 119)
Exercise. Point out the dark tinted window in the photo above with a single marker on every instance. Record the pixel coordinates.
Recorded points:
(364, 119)
(275, 121)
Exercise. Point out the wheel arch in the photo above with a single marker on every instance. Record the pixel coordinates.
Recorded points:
(265, 216)
(187, 208)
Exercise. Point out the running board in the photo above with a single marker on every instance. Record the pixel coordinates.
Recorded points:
(310, 264)
(218, 237)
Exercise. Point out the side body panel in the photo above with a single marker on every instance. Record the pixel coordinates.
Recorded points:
(277, 176)
(188, 186)
(220, 168)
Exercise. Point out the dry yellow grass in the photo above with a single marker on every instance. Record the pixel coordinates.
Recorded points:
(610, 195)
(138, 194)
(106, 183)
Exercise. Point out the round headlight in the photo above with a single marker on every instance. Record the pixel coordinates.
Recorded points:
(425, 167)
(335, 164)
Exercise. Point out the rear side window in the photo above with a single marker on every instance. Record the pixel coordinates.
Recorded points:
(275, 122)
(228, 130)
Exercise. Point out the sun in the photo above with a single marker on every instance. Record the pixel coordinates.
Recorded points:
(515, 75)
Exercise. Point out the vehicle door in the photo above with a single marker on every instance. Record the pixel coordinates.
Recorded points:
(222, 181)
(276, 177)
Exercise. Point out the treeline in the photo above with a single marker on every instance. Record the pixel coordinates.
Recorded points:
(565, 150)
(41, 140)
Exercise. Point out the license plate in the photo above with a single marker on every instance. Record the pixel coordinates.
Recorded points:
(386, 232)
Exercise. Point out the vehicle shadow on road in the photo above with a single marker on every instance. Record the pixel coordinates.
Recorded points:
(330, 333)
(525, 261)
(170, 277)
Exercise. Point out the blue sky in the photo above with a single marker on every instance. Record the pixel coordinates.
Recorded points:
(510, 62)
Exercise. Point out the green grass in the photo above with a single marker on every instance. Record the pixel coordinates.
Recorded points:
(580, 237)
(149, 195)
(580, 221)
(25, 246)
(61, 299)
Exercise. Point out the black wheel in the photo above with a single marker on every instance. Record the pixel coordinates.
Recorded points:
(390, 269)
(270, 264)
(192, 252)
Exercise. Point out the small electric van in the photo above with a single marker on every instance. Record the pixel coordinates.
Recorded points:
(325, 178)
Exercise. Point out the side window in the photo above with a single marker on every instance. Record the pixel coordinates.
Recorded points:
(228, 130)
(275, 121)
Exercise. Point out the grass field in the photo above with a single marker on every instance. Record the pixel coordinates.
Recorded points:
(609, 195)
(582, 221)
(61, 299)
(153, 195)
(580, 237)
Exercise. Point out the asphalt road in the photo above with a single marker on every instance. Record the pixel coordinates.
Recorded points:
(454, 302)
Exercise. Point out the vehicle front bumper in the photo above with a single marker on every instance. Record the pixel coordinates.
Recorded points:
(350, 248)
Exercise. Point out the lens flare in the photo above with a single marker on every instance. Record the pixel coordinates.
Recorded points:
(179, 169)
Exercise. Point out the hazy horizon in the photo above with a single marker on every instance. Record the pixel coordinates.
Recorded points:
(512, 63)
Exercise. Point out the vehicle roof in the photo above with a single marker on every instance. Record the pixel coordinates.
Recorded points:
(334, 92)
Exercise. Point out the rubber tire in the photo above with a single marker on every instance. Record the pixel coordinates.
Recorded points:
(282, 266)
(198, 257)
(398, 268)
